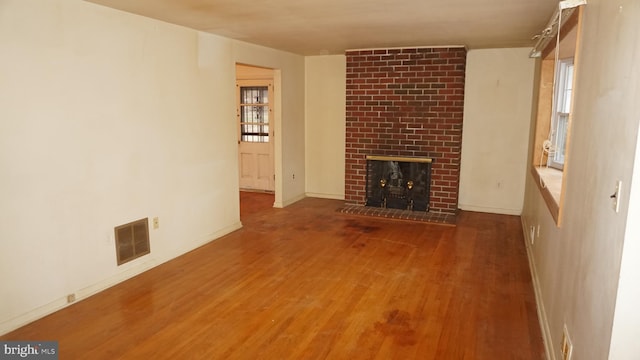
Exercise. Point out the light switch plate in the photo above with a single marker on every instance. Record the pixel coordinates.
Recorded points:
(616, 196)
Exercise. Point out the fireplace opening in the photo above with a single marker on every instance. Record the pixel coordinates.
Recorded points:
(398, 182)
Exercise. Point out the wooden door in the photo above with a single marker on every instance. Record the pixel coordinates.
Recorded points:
(255, 134)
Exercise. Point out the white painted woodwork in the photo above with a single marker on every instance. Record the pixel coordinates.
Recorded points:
(256, 166)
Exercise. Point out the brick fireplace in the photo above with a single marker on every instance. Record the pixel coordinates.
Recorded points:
(406, 102)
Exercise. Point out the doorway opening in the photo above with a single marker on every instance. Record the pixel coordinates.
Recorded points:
(255, 122)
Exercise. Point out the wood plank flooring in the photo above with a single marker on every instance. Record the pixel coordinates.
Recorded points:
(307, 282)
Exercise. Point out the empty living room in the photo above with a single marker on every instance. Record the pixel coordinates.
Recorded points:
(209, 179)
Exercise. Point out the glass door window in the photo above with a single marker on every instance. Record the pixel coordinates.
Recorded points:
(254, 114)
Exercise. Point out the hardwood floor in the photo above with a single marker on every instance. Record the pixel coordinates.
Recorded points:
(307, 282)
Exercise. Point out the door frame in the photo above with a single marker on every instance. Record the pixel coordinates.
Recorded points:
(270, 186)
(245, 71)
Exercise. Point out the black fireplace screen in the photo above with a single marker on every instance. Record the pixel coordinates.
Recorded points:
(398, 182)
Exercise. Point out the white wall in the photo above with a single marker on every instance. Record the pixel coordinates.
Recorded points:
(577, 266)
(626, 322)
(108, 117)
(498, 98)
(497, 113)
(624, 342)
(325, 125)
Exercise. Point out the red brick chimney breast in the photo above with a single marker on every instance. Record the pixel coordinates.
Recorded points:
(406, 102)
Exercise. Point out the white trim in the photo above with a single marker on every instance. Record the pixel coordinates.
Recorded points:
(562, 84)
(286, 203)
(491, 210)
(568, 4)
(325, 196)
(542, 314)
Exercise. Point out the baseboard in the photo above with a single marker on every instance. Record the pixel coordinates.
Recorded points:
(137, 267)
(542, 314)
(491, 210)
(289, 201)
(325, 196)
(33, 315)
(210, 237)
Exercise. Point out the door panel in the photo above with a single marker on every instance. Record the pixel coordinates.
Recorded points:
(247, 166)
(265, 172)
(256, 166)
(255, 134)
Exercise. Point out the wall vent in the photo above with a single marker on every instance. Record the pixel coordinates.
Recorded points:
(132, 240)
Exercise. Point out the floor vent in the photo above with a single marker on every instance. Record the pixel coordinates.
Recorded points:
(132, 240)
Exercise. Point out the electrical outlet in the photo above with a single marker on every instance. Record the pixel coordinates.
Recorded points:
(566, 345)
(156, 222)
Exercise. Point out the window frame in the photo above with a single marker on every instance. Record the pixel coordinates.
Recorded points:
(561, 114)
(264, 128)
(551, 181)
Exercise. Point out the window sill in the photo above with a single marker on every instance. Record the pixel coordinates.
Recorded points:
(550, 184)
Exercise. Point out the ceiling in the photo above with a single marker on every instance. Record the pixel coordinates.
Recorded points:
(318, 27)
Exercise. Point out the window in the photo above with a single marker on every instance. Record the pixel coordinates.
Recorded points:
(254, 114)
(557, 75)
(560, 115)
